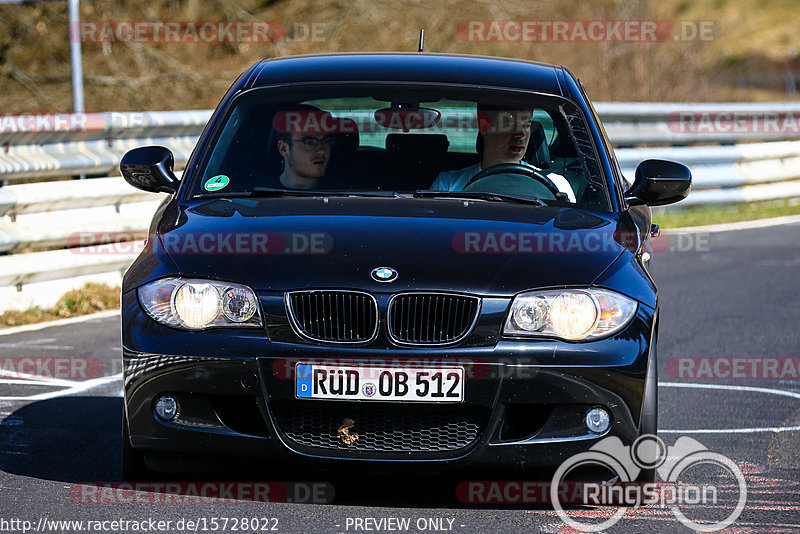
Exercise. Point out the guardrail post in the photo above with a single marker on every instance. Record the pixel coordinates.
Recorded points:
(73, 6)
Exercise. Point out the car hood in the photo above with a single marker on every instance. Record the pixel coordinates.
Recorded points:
(473, 246)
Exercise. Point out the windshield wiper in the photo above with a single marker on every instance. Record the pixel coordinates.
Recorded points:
(259, 192)
(276, 192)
(473, 195)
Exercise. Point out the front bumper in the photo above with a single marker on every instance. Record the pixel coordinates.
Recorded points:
(526, 401)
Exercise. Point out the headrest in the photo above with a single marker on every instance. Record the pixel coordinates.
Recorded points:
(347, 139)
(538, 152)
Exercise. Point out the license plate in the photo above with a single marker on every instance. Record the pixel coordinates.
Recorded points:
(317, 381)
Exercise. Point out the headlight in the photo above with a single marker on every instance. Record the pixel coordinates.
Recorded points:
(569, 313)
(198, 304)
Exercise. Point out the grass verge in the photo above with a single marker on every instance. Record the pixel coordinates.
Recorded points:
(704, 215)
(82, 301)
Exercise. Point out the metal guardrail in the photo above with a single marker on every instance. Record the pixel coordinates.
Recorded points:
(49, 146)
(746, 162)
(728, 174)
(631, 124)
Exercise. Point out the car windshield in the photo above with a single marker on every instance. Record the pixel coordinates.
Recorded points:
(432, 141)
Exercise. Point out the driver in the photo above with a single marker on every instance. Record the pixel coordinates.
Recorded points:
(505, 135)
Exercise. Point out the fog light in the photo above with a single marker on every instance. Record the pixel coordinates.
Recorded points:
(597, 420)
(166, 407)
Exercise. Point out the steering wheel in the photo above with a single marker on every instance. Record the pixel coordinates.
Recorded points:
(517, 168)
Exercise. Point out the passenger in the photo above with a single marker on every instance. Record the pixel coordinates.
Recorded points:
(304, 146)
(505, 136)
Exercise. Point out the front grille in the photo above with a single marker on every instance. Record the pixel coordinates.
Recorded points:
(381, 428)
(431, 318)
(334, 316)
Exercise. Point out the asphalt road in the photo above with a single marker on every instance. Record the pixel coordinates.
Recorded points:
(730, 326)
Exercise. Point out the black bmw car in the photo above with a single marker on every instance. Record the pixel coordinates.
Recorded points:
(417, 260)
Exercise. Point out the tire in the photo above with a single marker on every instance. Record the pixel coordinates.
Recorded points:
(649, 418)
(133, 465)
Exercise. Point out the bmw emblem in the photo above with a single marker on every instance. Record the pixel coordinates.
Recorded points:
(368, 389)
(383, 274)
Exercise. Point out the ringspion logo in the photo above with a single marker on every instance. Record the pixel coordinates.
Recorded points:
(677, 466)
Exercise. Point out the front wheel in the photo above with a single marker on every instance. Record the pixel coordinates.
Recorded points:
(648, 425)
(133, 466)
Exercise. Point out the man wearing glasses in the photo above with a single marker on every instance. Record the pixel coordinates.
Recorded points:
(305, 136)
(305, 159)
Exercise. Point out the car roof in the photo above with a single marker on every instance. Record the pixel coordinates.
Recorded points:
(410, 67)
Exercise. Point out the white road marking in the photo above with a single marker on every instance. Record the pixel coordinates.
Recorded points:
(742, 225)
(732, 430)
(77, 387)
(28, 382)
(29, 346)
(59, 322)
(780, 263)
(770, 391)
(691, 385)
(37, 378)
(39, 343)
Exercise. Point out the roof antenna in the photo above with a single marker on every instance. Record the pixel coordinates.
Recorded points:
(421, 40)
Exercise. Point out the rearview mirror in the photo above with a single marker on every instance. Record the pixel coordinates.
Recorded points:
(407, 119)
(659, 182)
(149, 168)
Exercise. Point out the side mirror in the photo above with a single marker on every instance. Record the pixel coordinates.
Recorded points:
(149, 168)
(659, 182)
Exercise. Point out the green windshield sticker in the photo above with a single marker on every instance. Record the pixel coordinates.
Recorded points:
(217, 182)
